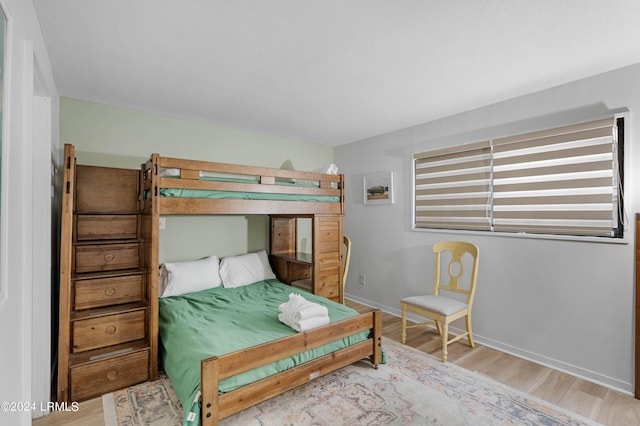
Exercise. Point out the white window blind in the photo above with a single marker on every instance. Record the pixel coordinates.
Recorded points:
(562, 181)
(452, 187)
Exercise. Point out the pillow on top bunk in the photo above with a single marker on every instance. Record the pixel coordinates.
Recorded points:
(165, 172)
(187, 277)
(237, 271)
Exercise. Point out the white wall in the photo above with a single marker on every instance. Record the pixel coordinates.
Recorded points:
(118, 137)
(568, 304)
(25, 279)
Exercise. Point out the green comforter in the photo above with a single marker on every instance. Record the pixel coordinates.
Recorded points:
(237, 195)
(221, 320)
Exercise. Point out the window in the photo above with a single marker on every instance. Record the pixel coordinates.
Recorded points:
(453, 188)
(562, 181)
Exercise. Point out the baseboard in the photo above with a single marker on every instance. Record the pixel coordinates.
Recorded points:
(591, 376)
(109, 412)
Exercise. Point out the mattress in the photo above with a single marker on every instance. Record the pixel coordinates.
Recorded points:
(248, 195)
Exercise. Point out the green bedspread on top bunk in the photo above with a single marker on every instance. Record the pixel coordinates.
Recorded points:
(244, 195)
(221, 320)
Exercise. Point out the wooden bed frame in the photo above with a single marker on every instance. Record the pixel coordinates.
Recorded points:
(214, 369)
(331, 185)
(215, 406)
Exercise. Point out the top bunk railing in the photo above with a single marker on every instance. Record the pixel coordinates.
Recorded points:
(201, 187)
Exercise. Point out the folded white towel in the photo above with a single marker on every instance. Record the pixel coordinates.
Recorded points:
(306, 324)
(290, 307)
(301, 314)
(310, 310)
(310, 323)
(299, 308)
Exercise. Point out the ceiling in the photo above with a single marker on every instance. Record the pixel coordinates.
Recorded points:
(329, 71)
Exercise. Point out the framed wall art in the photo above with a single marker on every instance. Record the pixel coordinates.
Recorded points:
(378, 188)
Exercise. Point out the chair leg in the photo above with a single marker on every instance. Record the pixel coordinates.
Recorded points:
(445, 338)
(438, 327)
(404, 324)
(470, 336)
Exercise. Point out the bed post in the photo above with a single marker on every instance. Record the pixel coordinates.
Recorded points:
(376, 358)
(66, 249)
(151, 237)
(343, 192)
(209, 378)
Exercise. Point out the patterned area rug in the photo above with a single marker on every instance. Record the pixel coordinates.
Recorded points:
(412, 388)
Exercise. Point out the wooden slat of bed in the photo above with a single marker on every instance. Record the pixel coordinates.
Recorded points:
(233, 402)
(187, 206)
(269, 352)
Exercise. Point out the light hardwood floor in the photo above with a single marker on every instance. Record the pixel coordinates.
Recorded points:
(592, 401)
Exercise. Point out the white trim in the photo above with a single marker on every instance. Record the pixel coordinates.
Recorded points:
(26, 225)
(494, 234)
(6, 124)
(41, 254)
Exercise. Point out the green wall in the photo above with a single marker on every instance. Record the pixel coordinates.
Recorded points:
(117, 137)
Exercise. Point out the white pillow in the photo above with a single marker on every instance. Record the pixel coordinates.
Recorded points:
(244, 269)
(187, 277)
(164, 172)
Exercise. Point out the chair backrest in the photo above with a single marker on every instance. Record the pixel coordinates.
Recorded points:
(346, 257)
(455, 270)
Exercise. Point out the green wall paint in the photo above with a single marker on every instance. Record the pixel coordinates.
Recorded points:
(117, 137)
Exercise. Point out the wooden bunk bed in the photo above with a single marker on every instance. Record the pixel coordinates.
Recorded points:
(170, 186)
(187, 177)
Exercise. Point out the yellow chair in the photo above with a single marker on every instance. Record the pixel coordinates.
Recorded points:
(346, 257)
(443, 310)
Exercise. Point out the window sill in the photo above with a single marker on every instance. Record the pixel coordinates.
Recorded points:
(574, 238)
